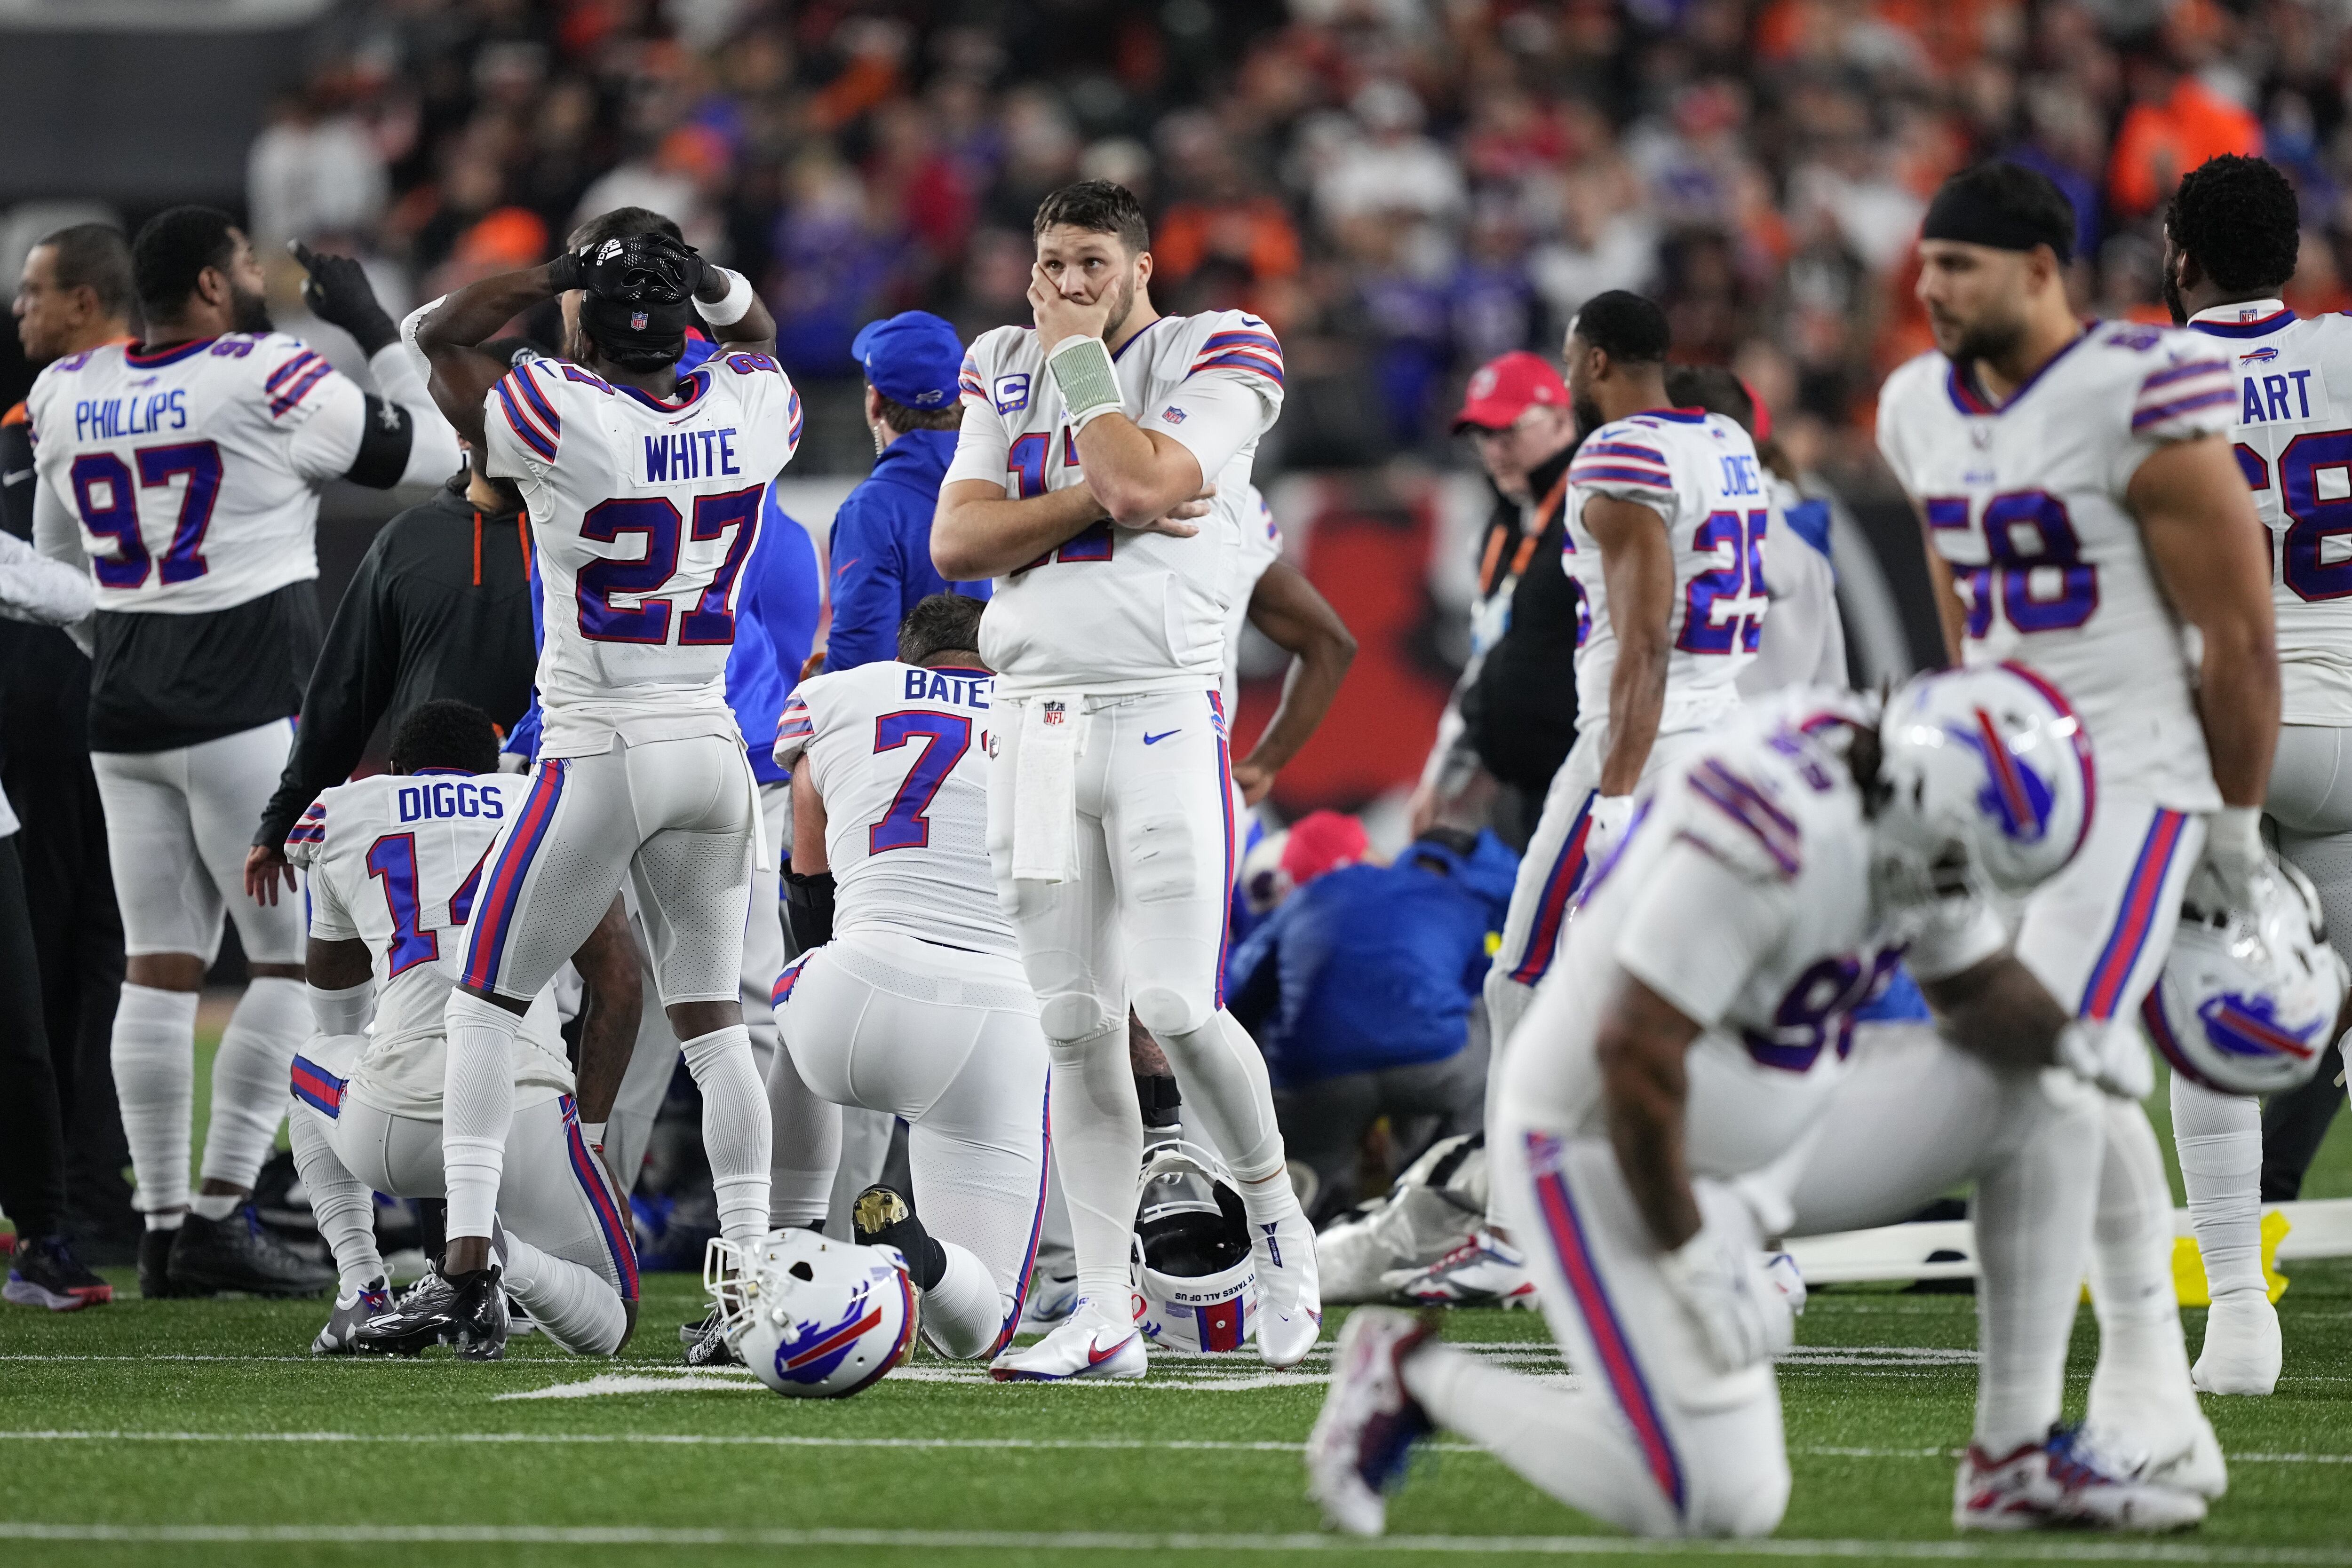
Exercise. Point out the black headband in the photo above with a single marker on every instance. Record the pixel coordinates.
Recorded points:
(647, 327)
(1964, 211)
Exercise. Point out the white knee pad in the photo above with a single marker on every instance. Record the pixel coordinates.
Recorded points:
(1164, 1010)
(1073, 1017)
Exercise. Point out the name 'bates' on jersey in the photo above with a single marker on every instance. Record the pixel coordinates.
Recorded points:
(1114, 611)
(899, 755)
(1698, 472)
(2026, 503)
(2293, 439)
(644, 510)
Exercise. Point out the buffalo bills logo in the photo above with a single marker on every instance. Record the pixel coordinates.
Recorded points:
(813, 1351)
(2014, 795)
(2249, 1026)
(2258, 357)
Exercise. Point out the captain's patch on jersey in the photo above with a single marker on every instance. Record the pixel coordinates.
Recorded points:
(1012, 392)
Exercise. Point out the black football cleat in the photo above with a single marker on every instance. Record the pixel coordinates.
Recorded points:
(155, 1265)
(882, 1217)
(210, 1256)
(353, 1312)
(706, 1342)
(468, 1310)
(44, 1272)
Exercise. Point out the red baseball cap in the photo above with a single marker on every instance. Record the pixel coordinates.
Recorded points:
(1505, 387)
(1321, 842)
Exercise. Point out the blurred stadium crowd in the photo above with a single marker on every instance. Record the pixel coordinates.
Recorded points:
(1404, 188)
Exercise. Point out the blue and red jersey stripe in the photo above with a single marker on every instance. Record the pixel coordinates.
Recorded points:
(486, 953)
(2142, 904)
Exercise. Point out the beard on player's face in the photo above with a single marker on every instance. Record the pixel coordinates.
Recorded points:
(1588, 417)
(248, 311)
(2172, 300)
(1122, 305)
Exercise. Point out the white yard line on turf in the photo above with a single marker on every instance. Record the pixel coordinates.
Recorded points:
(789, 1440)
(2012, 1549)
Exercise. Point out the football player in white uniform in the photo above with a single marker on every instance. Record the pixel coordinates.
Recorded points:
(2232, 233)
(644, 491)
(183, 473)
(1666, 519)
(915, 1003)
(1095, 477)
(393, 870)
(1801, 853)
(2085, 513)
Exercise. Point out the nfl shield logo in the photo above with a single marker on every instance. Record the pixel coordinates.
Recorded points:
(636, 321)
(1053, 713)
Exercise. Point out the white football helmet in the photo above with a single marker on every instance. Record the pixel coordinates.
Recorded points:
(1195, 1283)
(1986, 784)
(2247, 1002)
(812, 1318)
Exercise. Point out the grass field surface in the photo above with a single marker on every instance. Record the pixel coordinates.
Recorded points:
(202, 1432)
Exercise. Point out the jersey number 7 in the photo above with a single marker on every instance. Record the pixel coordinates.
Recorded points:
(946, 736)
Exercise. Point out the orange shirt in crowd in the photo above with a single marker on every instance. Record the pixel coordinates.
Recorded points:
(2160, 142)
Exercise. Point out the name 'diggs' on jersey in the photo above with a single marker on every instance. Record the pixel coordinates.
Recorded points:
(644, 510)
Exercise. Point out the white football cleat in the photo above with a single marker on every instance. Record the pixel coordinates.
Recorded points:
(1484, 1271)
(2062, 1483)
(2243, 1351)
(1362, 1439)
(2196, 1467)
(1052, 1298)
(1289, 1294)
(1089, 1342)
(1789, 1279)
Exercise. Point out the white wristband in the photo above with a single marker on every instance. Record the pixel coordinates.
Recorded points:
(734, 307)
(593, 1134)
(1082, 370)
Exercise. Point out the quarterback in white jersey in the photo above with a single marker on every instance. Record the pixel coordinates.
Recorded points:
(1801, 851)
(916, 1004)
(182, 473)
(1667, 517)
(644, 491)
(393, 868)
(1096, 477)
(2232, 236)
(2079, 493)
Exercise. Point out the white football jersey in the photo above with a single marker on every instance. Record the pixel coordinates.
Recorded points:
(396, 861)
(644, 510)
(1114, 611)
(1698, 472)
(194, 471)
(2294, 442)
(899, 756)
(1260, 547)
(2026, 503)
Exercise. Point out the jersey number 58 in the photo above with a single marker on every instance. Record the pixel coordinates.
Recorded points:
(2036, 569)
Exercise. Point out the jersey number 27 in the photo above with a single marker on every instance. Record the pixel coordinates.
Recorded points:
(647, 578)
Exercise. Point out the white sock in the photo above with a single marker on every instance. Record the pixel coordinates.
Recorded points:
(2033, 1213)
(2220, 1140)
(805, 1128)
(577, 1308)
(2143, 1368)
(963, 1313)
(249, 1075)
(214, 1205)
(737, 1134)
(1099, 1145)
(1223, 1075)
(153, 1048)
(341, 1203)
(477, 1109)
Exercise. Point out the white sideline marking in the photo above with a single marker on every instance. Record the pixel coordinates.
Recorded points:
(622, 1383)
(2040, 1549)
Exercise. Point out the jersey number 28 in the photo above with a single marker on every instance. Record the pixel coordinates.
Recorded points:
(2314, 521)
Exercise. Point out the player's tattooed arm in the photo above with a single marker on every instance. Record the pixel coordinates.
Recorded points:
(1644, 1086)
(462, 374)
(1637, 563)
(1300, 621)
(610, 971)
(2210, 551)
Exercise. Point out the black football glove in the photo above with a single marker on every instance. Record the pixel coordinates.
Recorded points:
(650, 269)
(338, 293)
(569, 269)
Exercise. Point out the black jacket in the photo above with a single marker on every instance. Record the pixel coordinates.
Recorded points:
(439, 608)
(44, 679)
(1519, 715)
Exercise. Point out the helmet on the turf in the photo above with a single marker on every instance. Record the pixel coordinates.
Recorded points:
(1985, 785)
(1194, 1276)
(812, 1318)
(2247, 1001)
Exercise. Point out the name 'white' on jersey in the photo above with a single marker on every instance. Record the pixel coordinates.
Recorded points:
(2294, 442)
(899, 756)
(193, 470)
(396, 861)
(1698, 472)
(644, 510)
(2026, 503)
(1116, 612)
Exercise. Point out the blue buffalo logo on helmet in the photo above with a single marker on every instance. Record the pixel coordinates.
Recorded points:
(2014, 795)
(2250, 1026)
(812, 1351)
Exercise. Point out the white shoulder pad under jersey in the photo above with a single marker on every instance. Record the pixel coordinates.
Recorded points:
(1114, 611)
(2293, 438)
(2026, 501)
(195, 470)
(1741, 897)
(396, 861)
(899, 756)
(1697, 471)
(1259, 547)
(644, 510)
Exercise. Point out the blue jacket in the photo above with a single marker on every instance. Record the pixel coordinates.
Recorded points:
(881, 550)
(1371, 967)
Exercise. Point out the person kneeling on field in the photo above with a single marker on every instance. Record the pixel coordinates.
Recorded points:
(394, 866)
